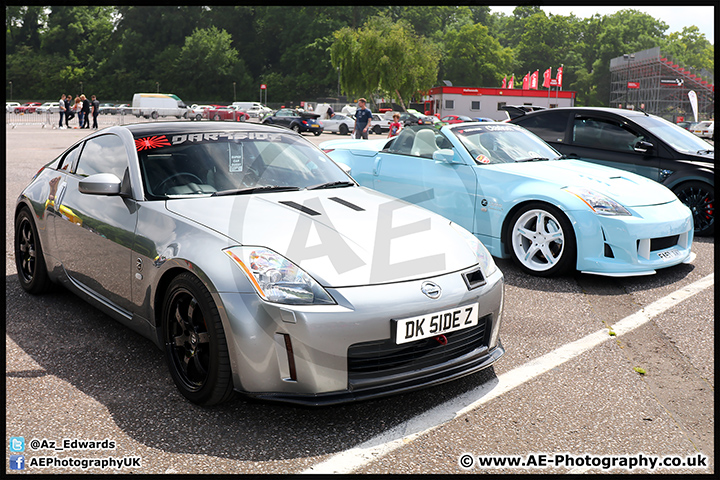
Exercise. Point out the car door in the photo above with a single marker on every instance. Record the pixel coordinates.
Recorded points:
(95, 233)
(407, 170)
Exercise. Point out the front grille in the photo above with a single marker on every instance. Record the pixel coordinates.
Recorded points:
(663, 243)
(383, 358)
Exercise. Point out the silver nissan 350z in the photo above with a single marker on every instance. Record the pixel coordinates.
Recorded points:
(258, 264)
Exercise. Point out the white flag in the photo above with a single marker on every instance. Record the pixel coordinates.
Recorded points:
(693, 103)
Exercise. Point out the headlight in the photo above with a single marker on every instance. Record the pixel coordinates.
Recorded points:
(277, 279)
(599, 203)
(484, 258)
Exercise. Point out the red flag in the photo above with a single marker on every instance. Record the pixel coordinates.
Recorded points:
(559, 76)
(526, 81)
(512, 81)
(504, 81)
(546, 78)
(534, 79)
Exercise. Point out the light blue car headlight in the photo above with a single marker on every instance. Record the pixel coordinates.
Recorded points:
(487, 264)
(598, 202)
(277, 279)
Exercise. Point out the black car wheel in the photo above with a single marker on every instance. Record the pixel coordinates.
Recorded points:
(700, 199)
(541, 240)
(198, 117)
(154, 115)
(296, 128)
(29, 259)
(343, 129)
(216, 117)
(195, 345)
(317, 133)
(377, 130)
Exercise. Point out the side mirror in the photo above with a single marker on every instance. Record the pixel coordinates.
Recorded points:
(100, 184)
(445, 155)
(643, 147)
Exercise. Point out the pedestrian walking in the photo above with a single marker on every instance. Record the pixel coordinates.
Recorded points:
(363, 117)
(61, 104)
(86, 111)
(69, 114)
(95, 110)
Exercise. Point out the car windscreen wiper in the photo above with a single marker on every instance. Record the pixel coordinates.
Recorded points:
(267, 188)
(340, 183)
(532, 159)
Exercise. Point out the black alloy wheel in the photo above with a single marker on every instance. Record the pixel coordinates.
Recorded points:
(29, 259)
(195, 346)
(700, 199)
(343, 129)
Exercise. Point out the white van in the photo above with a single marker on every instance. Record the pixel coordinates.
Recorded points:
(254, 109)
(154, 105)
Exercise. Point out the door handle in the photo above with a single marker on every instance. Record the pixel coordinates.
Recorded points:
(376, 167)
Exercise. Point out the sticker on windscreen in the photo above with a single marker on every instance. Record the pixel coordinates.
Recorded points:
(482, 159)
(148, 143)
(235, 157)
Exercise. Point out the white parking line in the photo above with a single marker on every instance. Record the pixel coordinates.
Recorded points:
(366, 452)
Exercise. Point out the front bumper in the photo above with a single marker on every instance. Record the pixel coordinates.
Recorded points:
(652, 238)
(270, 344)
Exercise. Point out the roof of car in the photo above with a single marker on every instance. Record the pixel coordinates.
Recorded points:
(155, 128)
(616, 111)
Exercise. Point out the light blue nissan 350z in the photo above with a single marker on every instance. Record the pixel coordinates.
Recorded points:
(524, 200)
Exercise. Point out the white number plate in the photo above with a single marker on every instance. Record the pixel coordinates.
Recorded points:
(669, 254)
(436, 323)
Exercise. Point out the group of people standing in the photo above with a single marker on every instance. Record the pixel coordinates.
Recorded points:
(80, 107)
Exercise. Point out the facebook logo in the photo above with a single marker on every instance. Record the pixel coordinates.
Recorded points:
(17, 444)
(17, 462)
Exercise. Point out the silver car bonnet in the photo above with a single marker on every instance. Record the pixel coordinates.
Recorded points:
(342, 237)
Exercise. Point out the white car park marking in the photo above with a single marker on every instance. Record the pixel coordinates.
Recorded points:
(366, 452)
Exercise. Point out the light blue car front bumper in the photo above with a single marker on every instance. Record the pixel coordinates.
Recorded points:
(653, 237)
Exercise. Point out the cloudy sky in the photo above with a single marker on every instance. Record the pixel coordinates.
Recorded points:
(675, 17)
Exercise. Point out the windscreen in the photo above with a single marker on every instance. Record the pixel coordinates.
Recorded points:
(679, 138)
(200, 164)
(503, 143)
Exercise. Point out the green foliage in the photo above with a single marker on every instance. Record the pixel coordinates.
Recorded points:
(198, 52)
(403, 63)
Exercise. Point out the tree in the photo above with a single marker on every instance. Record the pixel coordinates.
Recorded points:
(403, 63)
(691, 48)
(472, 57)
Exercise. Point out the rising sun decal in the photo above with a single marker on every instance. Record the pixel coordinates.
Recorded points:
(151, 142)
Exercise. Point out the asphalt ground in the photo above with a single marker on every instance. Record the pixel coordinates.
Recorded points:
(73, 373)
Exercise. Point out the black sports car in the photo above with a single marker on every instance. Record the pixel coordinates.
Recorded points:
(296, 120)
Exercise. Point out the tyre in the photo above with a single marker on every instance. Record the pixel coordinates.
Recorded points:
(377, 130)
(700, 199)
(216, 117)
(317, 133)
(195, 346)
(343, 129)
(542, 240)
(198, 117)
(154, 115)
(29, 259)
(296, 128)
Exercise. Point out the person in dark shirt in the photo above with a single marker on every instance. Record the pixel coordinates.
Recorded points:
(95, 109)
(363, 117)
(85, 111)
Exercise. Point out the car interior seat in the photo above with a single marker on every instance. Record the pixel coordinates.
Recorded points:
(424, 144)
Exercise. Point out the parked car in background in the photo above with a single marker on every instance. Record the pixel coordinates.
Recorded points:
(704, 129)
(339, 123)
(198, 112)
(686, 125)
(253, 109)
(48, 107)
(107, 109)
(296, 120)
(29, 107)
(155, 105)
(637, 142)
(123, 109)
(11, 106)
(522, 200)
(456, 119)
(406, 118)
(379, 124)
(231, 112)
(514, 111)
(221, 283)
